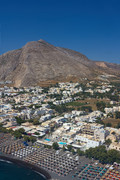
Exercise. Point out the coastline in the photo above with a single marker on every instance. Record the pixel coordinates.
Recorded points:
(28, 165)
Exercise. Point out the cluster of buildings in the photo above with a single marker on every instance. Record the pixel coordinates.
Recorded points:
(81, 135)
(112, 110)
(76, 128)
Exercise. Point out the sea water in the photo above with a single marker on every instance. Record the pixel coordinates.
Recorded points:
(11, 171)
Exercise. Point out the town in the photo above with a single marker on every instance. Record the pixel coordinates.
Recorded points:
(54, 127)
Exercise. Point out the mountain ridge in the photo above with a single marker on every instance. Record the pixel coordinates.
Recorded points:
(40, 61)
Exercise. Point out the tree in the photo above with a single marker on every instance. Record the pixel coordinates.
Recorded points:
(95, 152)
(3, 130)
(37, 133)
(114, 98)
(60, 108)
(99, 121)
(101, 105)
(103, 158)
(118, 125)
(113, 156)
(19, 120)
(45, 90)
(110, 115)
(55, 146)
(79, 142)
(80, 153)
(30, 120)
(47, 146)
(73, 151)
(1, 124)
(52, 128)
(11, 131)
(108, 142)
(63, 148)
(26, 138)
(32, 139)
(35, 122)
(86, 108)
(15, 88)
(117, 115)
(113, 133)
(100, 153)
(69, 147)
(21, 130)
(2, 95)
(17, 134)
(108, 124)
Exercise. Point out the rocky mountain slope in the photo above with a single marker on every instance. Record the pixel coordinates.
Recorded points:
(40, 61)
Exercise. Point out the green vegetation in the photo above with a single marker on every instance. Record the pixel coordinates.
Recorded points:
(23, 92)
(80, 106)
(70, 106)
(75, 103)
(18, 133)
(100, 153)
(47, 146)
(114, 97)
(117, 115)
(73, 151)
(21, 130)
(32, 139)
(36, 106)
(1, 124)
(80, 153)
(69, 147)
(45, 90)
(60, 108)
(99, 121)
(108, 142)
(26, 138)
(101, 105)
(109, 95)
(110, 115)
(57, 96)
(19, 120)
(108, 124)
(118, 125)
(86, 108)
(3, 130)
(55, 146)
(29, 138)
(35, 122)
(37, 133)
(64, 149)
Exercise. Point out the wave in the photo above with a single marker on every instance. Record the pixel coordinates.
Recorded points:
(6, 161)
(40, 174)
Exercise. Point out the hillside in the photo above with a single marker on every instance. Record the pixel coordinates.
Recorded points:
(39, 61)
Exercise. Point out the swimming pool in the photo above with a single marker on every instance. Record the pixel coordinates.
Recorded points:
(62, 143)
(47, 140)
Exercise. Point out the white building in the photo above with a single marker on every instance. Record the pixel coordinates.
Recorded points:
(86, 139)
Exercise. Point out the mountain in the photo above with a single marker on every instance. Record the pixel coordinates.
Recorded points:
(39, 61)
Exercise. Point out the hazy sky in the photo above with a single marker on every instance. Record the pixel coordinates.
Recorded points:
(91, 27)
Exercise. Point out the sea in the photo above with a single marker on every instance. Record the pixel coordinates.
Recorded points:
(11, 171)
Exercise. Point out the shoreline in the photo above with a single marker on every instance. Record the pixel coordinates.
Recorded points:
(35, 168)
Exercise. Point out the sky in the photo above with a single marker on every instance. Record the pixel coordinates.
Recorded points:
(91, 27)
